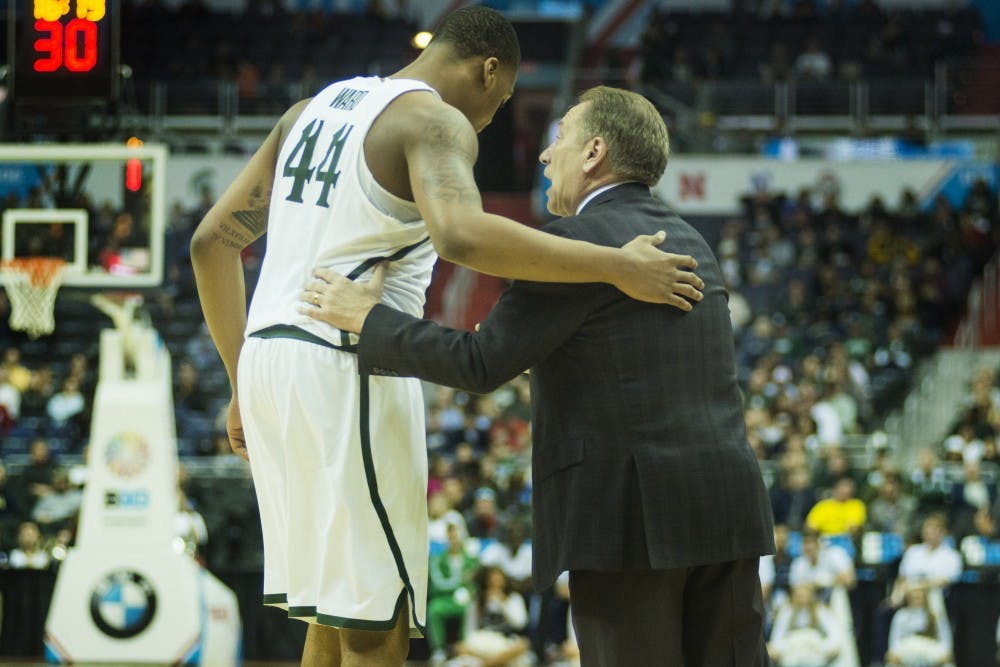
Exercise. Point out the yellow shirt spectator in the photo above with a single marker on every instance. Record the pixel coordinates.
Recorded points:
(841, 513)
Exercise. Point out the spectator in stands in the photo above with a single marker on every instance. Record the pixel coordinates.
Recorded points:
(805, 633)
(35, 400)
(566, 652)
(919, 637)
(840, 514)
(79, 368)
(36, 477)
(483, 520)
(10, 400)
(931, 562)
(512, 554)
(823, 567)
(793, 497)
(778, 67)
(829, 426)
(964, 445)
(438, 470)
(188, 392)
(189, 525)
(66, 407)
(17, 374)
(981, 200)
(450, 590)
(969, 496)
(499, 615)
(125, 233)
(838, 394)
(836, 466)
(929, 484)
(985, 525)
(442, 515)
(515, 492)
(814, 62)
(58, 508)
(892, 509)
(10, 512)
(29, 554)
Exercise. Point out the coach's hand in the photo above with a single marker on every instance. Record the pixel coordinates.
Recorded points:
(330, 297)
(652, 275)
(234, 429)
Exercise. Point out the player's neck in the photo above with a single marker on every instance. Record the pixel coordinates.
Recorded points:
(435, 67)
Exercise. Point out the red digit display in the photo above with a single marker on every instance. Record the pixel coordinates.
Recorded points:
(51, 47)
(65, 50)
(80, 32)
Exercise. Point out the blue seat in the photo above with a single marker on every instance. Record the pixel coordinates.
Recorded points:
(794, 544)
(881, 548)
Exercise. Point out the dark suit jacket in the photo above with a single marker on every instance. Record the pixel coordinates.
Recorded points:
(639, 438)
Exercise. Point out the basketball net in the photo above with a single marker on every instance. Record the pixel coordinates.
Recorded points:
(31, 284)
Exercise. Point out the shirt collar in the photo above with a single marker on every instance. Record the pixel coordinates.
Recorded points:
(601, 190)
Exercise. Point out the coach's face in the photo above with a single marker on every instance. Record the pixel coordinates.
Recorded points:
(564, 162)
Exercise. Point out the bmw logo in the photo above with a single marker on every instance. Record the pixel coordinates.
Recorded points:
(123, 604)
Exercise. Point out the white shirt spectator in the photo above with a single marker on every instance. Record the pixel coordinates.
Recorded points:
(766, 571)
(789, 620)
(19, 560)
(64, 406)
(437, 529)
(831, 562)
(828, 426)
(10, 398)
(815, 65)
(740, 314)
(516, 566)
(920, 562)
(908, 622)
(190, 526)
(971, 451)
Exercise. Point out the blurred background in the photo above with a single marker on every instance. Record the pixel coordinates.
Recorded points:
(840, 156)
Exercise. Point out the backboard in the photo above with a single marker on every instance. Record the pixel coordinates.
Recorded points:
(100, 207)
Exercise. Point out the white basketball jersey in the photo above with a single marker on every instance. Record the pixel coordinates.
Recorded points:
(328, 211)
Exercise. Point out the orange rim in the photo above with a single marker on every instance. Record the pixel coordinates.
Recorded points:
(41, 270)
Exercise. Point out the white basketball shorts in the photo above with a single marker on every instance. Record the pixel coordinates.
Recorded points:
(340, 467)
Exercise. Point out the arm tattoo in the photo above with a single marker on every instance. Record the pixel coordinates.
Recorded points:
(254, 219)
(452, 153)
(227, 240)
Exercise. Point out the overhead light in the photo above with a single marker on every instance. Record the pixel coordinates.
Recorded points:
(421, 40)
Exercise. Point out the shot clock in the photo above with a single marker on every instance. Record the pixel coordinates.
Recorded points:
(66, 50)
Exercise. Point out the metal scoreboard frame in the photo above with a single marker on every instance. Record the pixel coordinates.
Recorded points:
(63, 52)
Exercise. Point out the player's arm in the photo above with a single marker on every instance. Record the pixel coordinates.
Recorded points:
(236, 220)
(441, 148)
(396, 343)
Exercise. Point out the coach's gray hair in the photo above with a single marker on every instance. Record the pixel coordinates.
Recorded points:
(637, 139)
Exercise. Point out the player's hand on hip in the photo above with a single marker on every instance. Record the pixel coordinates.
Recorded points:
(234, 429)
(659, 277)
(330, 297)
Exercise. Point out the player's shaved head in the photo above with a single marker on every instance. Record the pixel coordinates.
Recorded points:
(479, 31)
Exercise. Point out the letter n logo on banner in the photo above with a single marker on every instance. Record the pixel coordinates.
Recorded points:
(693, 186)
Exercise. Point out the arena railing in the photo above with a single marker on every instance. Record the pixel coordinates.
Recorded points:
(952, 100)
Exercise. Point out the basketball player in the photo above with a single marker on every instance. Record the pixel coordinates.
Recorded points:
(369, 169)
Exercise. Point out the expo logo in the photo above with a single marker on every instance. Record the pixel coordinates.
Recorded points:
(133, 500)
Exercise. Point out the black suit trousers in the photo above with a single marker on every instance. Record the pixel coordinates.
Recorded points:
(705, 616)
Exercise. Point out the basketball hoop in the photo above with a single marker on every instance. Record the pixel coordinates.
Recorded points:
(31, 284)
